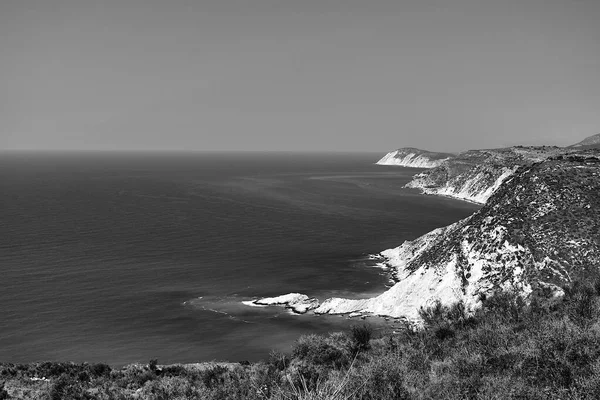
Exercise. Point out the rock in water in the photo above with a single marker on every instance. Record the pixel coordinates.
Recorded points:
(298, 303)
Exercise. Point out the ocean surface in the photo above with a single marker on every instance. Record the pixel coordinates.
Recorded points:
(122, 258)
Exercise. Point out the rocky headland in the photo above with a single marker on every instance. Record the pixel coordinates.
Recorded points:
(414, 158)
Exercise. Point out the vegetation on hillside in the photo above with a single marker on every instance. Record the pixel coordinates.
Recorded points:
(506, 350)
(539, 229)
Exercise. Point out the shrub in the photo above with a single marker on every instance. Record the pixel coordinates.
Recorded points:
(316, 349)
(264, 379)
(278, 360)
(172, 388)
(134, 376)
(588, 387)
(443, 332)
(152, 365)
(582, 302)
(596, 285)
(306, 377)
(51, 369)
(505, 305)
(361, 337)
(83, 376)
(65, 388)
(457, 376)
(8, 370)
(381, 378)
(99, 370)
(3, 392)
(446, 318)
(432, 315)
(174, 370)
(213, 376)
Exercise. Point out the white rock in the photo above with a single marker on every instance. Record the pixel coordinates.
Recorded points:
(412, 160)
(297, 302)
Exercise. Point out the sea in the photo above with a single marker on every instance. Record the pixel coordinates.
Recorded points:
(125, 257)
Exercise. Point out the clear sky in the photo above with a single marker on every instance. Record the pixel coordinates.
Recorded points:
(341, 75)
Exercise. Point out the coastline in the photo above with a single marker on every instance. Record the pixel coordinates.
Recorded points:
(465, 275)
(405, 287)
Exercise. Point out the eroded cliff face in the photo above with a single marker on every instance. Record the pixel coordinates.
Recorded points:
(475, 175)
(538, 231)
(414, 158)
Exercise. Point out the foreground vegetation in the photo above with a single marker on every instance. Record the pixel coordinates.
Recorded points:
(507, 350)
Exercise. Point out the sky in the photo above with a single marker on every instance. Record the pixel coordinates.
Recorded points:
(297, 75)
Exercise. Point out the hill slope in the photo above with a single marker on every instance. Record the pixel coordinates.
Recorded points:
(474, 175)
(589, 142)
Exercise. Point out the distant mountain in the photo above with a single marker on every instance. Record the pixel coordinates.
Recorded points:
(474, 175)
(589, 142)
(538, 231)
(414, 158)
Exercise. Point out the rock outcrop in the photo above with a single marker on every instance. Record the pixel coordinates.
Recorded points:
(298, 303)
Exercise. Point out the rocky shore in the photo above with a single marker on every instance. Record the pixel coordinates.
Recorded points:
(538, 231)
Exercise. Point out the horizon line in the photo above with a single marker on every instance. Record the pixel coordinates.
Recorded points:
(182, 151)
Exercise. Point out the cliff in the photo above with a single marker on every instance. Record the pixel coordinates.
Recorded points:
(414, 158)
(475, 175)
(538, 231)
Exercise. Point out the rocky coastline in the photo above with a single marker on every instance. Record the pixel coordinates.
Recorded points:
(538, 230)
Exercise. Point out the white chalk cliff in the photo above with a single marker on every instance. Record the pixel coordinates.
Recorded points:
(414, 158)
(477, 186)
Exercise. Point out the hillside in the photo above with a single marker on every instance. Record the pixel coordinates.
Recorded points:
(540, 230)
(414, 158)
(588, 143)
(474, 175)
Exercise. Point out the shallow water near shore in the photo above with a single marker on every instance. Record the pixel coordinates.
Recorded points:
(121, 258)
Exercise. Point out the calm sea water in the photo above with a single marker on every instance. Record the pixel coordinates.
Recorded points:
(121, 258)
